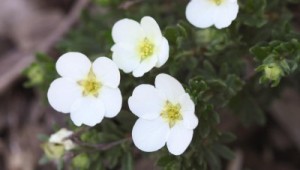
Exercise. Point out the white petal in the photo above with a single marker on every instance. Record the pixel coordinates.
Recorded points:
(200, 13)
(150, 135)
(225, 14)
(62, 94)
(125, 57)
(151, 28)
(107, 72)
(69, 145)
(169, 86)
(179, 139)
(73, 65)
(146, 102)
(127, 31)
(60, 135)
(163, 53)
(112, 100)
(145, 66)
(87, 110)
(190, 121)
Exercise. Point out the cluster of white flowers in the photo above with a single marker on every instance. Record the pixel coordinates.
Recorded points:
(89, 91)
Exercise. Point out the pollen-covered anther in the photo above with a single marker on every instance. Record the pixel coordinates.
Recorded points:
(146, 48)
(218, 2)
(171, 113)
(90, 85)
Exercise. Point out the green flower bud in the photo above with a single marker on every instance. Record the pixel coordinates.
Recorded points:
(273, 72)
(35, 75)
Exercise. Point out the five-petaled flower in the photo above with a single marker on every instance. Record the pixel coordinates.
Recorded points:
(205, 13)
(139, 46)
(166, 116)
(88, 91)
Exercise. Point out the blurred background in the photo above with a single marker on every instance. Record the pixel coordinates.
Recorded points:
(28, 27)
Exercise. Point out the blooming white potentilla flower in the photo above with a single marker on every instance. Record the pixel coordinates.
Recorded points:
(205, 13)
(166, 116)
(139, 46)
(88, 91)
(60, 138)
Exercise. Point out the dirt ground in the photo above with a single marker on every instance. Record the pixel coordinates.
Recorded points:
(23, 115)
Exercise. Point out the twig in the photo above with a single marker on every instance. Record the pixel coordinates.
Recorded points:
(14, 63)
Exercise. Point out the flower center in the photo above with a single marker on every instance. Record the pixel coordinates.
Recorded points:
(171, 113)
(218, 2)
(146, 48)
(90, 85)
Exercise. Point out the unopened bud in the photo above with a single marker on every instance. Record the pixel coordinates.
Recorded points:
(273, 72)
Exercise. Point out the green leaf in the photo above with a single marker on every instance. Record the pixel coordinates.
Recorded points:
(171, 33)
(165, 160)
(260, 52)
(247, 109)
(223, 151)
(127, 161)
(227, 137)
(213, 160)
(252, 13)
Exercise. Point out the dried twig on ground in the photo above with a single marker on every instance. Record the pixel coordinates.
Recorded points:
(12, 65)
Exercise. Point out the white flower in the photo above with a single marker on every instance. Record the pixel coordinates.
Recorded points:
(166, 116)
(60, 138)
(205, 13)
(88, 91)
(139, 46)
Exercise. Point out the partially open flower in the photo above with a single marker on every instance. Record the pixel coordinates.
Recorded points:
(205, 13)
(58, 143)
(60, 137)
(166, 116)
(139, 46)
(88, 91)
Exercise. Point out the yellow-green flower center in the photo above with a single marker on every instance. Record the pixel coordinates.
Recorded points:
(146, 48)
(171, 113)
(218, 2)
(91, 86)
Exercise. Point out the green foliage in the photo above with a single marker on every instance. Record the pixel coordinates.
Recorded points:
(41, 72)
(216, 67)
(277, 59)
(81, 161)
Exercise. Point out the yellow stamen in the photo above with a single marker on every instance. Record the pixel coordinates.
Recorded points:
(171, 113)
(91, 85)
(146, 48)
(218, 2)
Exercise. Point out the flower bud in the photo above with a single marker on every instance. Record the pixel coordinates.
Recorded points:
(58, 143)
(35, 75)
(273, 72)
